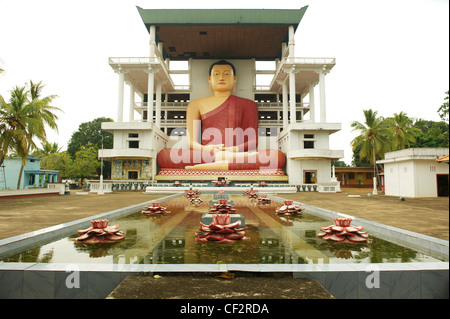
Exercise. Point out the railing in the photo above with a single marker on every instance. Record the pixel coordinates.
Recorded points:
(163, 104)
(299, 105)
(133, 60)
(294, 60)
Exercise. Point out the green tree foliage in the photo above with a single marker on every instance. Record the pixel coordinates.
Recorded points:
(373, 136)
(443, 110)
(24, 118)
(430, 134)
(403, 131)
(90, 133)
(85, 164)
(60, 162)
(47, 149)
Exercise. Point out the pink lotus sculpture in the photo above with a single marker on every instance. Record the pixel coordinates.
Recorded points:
(100, 232)
(190, 193)
(155, 209)
(222, 207)
(195, 199)
(342, 231)
(252, 194)
(221, 231)
(263, 199)
(289, 208)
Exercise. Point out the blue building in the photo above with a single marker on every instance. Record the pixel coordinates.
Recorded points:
(32, 176)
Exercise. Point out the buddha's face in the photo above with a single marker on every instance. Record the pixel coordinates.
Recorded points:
(222, 78)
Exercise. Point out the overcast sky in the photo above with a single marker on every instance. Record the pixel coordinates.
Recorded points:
(391, 55)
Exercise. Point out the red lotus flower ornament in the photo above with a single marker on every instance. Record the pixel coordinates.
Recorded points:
(195, 200)
(100, 232)
(342, 231)
(263, 199)
(222, 207)
(221, 230)
(155, 209)
(289, 208)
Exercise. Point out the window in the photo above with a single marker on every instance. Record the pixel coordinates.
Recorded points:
(133, 144)
(176, 131)
(308, 144)
(351, 175)
(176, 115)
(267, 131)
(368, 175)
(309, 135)
(133, 135)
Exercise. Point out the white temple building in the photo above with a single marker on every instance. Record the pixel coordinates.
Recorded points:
(291, 117)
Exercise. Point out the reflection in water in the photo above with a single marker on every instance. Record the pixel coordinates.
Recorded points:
(170, 239)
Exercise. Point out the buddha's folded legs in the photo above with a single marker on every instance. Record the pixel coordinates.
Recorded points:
(193, 159)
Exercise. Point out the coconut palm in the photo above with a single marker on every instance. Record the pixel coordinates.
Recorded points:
(373, 136)
(47, 149)
(24, 118)
(403, 131)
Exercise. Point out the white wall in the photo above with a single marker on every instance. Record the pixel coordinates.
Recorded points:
(413, 178)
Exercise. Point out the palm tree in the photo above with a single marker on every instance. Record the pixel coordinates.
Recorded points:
(403, 131)
(373, 137)
(22, 119)
(47, 149)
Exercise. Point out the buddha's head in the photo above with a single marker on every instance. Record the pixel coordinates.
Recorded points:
(222, 77)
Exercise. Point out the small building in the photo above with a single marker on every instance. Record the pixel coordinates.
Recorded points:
(415, 172)
(355, 176)
(32, 176)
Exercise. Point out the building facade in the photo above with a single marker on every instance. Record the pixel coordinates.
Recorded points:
(415, 172)
(291, 118)
(32, 176)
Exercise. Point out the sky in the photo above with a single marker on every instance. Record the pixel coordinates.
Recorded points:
(391, 55)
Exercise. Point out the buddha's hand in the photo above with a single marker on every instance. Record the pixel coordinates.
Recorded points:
(214, 148)
(233, 149)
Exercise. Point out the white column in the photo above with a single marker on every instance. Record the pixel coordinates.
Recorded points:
(152, 43)
(323, 115)
(291, 42)
(158, 104)
(131, 110)
(292, 95)
(120, 97)
(150, 92)
(312, 112)
(285, 104)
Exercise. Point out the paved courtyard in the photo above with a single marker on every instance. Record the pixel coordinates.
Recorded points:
(429, 216)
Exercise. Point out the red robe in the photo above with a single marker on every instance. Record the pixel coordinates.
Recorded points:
(234, 123)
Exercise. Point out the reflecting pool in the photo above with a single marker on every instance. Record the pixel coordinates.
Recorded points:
(170, 239)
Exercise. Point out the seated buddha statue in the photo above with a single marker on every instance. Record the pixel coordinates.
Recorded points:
(222, 130)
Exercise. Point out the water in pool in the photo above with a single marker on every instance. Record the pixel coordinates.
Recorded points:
(170, 239)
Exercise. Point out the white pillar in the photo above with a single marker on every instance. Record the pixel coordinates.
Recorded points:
(312, 112)
(120, 97)
(158, 104)
(323, 115)
(291, 42)
(150, 92)
(131, 110)
(152, 43)
(292, 95)
(285, 104)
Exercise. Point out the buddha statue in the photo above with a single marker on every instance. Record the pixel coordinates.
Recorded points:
(222, 130)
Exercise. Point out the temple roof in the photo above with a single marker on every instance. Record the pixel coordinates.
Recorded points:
(222, 33)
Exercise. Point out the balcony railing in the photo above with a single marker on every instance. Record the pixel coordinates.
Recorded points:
(320, 61)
